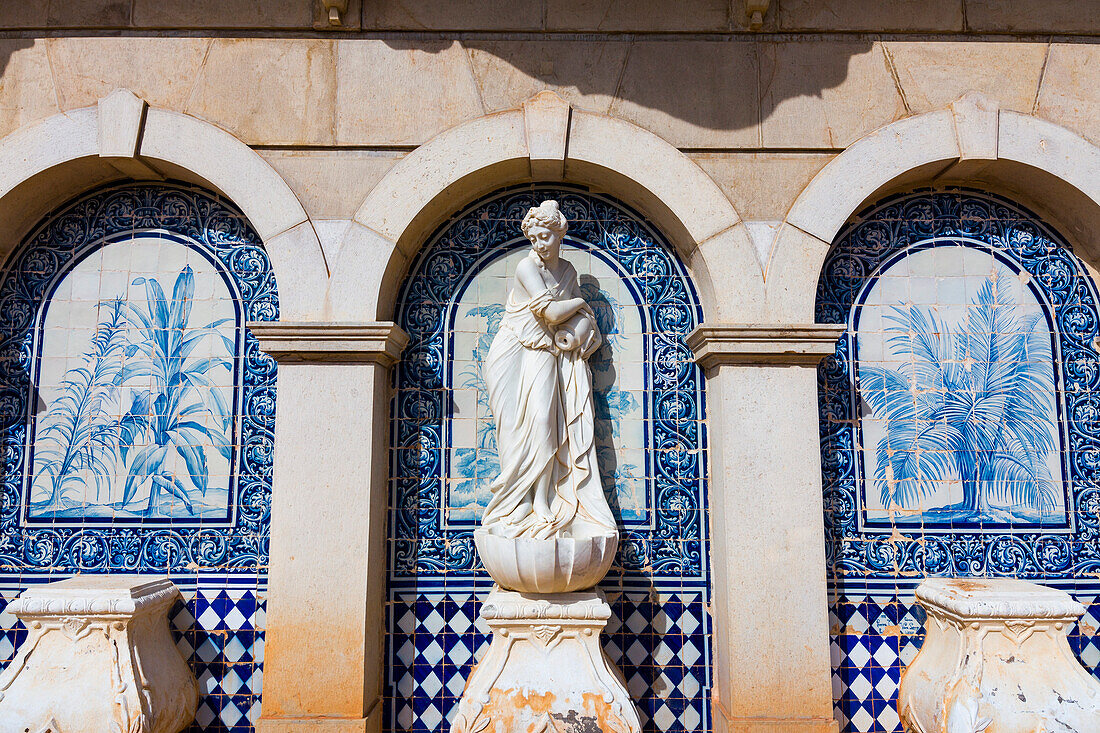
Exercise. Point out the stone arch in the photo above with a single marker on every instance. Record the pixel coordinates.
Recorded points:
(122, 137)
(545, 141)
(973, 143)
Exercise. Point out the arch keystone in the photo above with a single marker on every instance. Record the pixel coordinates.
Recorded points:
(121, 115)
(546, 126)
(977, 126)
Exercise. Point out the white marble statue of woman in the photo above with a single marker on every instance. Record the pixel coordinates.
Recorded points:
(540, 393)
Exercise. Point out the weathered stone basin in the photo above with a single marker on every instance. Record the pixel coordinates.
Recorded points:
(552, 565)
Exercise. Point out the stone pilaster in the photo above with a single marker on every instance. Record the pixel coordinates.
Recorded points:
(771, 645)
(326, 588)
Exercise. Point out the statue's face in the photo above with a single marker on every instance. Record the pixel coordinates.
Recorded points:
(544, 241)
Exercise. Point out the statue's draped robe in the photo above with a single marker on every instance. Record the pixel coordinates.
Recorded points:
(542, 403)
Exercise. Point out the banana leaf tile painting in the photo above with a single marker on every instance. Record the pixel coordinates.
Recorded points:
(136, 408)
(136, 387)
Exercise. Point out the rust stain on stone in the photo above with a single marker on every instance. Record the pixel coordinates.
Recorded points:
(520, 711)
(505, 705)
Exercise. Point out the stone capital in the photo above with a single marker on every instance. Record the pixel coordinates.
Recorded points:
(377, 342)
(746, 344)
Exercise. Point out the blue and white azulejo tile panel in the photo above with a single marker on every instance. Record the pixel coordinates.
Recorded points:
(137, 415)
(650, 441)
(953, 355)
(959, 424)
(138, 409)
(136, 384)
(960, 408)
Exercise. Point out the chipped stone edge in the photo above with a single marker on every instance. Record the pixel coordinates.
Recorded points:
(1018, 603)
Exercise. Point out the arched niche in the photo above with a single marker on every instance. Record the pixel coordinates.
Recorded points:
(45, 164)
(957, 418)
(138, 409)
(1033, 161)
(546, 140)
(650, 436)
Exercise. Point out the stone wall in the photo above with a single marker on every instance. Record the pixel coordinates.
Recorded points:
(748, 148)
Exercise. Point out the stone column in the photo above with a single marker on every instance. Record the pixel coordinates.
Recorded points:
(326, 575)
(771, 647)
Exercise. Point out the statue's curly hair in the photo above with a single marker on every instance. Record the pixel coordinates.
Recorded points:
(546, 215)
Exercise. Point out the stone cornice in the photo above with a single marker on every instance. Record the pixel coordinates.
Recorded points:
(377, 342)
(747, 344)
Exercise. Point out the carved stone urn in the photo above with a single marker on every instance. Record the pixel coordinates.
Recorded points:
(996, 659)
(550, 565)
(98, 657)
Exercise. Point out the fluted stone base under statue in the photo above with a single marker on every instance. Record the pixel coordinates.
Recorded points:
(545, 669)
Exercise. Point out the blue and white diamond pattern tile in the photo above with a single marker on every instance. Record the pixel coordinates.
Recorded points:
(12, 632)
(1085, 638)
(872, 640)
(661, 645)
(221, 634)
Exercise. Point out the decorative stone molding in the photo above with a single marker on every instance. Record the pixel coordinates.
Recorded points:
(996, 657)
(762, 345)
(380, 342)
(545, 669)
(98, 656)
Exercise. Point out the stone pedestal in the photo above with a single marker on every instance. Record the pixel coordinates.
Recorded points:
(98, 657)
(545, 669)
(996, 658)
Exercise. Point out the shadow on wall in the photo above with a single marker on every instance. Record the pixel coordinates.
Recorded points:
(724, 85)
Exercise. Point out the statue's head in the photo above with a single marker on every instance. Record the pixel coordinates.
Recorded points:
(545, 225)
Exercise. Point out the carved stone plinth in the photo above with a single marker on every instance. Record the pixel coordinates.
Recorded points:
(98, 657)
(996, 658)
(545, 669)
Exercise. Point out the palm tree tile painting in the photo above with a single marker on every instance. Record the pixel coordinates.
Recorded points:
(135, 409)
(956, 389)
